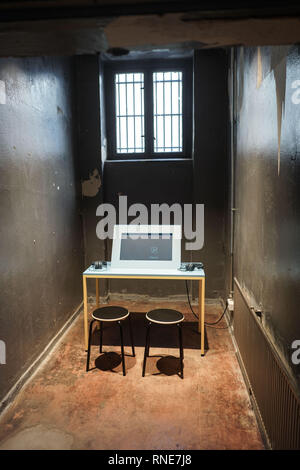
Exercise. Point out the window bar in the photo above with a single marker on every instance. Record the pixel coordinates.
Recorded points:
(149, 129)
(180, 111)
(171, 87)
(134, 113)
(116, 108)
(156, 117)
(119, 118)
(126, 113)
(183, 110)
(164, 108)
(154, 109)
(169, 81)
(142, 112)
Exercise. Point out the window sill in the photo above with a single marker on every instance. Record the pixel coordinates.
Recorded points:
(135, 160)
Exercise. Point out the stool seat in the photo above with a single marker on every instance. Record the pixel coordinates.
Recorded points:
(164, 316)
(110, 313)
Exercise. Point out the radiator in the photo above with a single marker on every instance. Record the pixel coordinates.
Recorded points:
(274, 395)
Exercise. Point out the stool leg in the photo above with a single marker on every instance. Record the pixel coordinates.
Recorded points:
(147, 346)
(89, 347)
(101, 336)
(181, 348)
(131, 336)
(122, 348)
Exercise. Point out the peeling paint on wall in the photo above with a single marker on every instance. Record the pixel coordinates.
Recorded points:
(2, 92)
(267, 250)
(259, 69)
(278, 66)
(240, 80)
(90, 187)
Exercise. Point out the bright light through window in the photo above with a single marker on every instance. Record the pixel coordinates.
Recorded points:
(154, 126)
(130, 112)
(167, 111)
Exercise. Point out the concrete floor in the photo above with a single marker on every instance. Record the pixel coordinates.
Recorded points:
(63, 407)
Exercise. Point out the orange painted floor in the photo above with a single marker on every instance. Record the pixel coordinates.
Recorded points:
(63, 407)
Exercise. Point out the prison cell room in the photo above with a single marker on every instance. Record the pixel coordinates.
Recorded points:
(150, 226)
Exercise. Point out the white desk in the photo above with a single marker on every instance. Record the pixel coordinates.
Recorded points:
(110, 273)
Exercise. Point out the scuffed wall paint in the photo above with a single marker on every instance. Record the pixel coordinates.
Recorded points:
(41, 247)
(267, 250)
(2, 92)
(240, 80)
(89, 156)
(259, 69)
(91, 186)
(274, 62)
(278, 65)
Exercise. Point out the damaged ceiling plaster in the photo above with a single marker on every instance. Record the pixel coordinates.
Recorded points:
(141, 32)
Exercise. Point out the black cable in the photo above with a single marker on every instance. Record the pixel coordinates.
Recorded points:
(206, 323)
(188, 297)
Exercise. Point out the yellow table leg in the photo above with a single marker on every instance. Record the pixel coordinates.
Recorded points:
(97, 292)
(85, 313)
(201, 312)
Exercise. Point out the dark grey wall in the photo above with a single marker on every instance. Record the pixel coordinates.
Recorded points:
(41, 234)
(203, 179)
(89, 152)
(211, 164)
(267, 236)
(149, 182)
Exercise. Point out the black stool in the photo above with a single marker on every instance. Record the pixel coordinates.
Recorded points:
(164, 317)
(110, 314)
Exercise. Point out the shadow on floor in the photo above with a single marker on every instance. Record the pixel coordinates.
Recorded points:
(160, 336)
(112, 361)
(156, 364)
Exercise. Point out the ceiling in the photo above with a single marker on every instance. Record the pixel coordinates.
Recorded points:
(68, 27)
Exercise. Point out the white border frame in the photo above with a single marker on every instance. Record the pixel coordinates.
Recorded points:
(146, 264)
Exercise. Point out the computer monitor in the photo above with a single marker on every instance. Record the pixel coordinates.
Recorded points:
(146, 247)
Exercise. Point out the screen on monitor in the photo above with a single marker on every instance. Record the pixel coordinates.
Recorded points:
(146, 247)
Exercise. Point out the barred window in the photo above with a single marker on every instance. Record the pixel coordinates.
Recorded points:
(148, 110)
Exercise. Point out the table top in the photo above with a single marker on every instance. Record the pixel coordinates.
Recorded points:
(143, 273)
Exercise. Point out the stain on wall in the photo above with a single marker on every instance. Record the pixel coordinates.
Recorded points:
(267, 249)
(41, 233)
(90, 187)
(278, 66)
(259, 69)
(274, 62)
(89, 156)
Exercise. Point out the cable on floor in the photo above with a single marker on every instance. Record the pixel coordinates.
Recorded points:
(211, 325)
